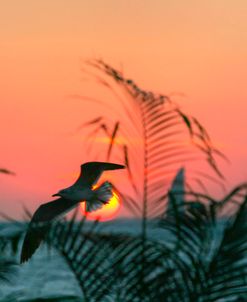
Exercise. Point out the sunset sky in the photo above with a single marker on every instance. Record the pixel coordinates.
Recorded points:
(195, 50)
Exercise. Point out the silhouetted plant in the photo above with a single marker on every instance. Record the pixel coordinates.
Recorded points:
(6, 171)
(212, 246)
(7, 267)
(161, 127)
(200, 257)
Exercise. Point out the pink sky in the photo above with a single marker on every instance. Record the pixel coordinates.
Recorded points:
(193, 47)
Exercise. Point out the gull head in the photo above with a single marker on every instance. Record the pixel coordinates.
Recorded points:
(65, 193)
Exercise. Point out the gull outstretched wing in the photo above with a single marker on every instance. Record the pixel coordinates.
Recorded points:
(91, 172)
(39, 224)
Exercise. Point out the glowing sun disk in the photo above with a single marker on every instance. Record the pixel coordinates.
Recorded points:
(107, 212)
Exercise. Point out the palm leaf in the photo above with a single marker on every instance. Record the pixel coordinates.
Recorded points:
(158, 122)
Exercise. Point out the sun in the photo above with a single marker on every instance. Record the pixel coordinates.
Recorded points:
(107, 212)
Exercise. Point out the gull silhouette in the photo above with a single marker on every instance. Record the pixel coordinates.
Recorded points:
(81, 190)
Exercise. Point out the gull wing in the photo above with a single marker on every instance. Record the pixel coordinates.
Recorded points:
(39, 224)
(91, 172)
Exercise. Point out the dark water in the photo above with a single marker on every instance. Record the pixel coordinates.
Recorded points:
(46, 277)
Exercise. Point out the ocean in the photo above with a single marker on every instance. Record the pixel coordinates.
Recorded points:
(46, 277)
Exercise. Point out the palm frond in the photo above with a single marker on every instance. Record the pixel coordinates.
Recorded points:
(161, 127)
(6, 171)
(212, 247)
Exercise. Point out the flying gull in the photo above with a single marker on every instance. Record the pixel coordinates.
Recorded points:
(81, 190)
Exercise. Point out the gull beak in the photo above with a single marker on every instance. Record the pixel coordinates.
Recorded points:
(57, 194)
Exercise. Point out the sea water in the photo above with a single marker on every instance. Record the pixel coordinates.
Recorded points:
(47, 277)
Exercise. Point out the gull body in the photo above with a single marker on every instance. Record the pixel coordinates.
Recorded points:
(76, 193)
(81, 190)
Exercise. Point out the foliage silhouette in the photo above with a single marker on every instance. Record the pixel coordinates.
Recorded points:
(6, 171)
(200, 255)
(7, 267)
(161, 127)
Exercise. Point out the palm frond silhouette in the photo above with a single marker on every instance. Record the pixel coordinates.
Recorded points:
(167, 138)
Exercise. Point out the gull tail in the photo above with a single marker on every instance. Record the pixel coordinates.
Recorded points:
(103, 194)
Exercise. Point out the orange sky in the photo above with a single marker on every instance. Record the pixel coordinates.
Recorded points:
(193, 47)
